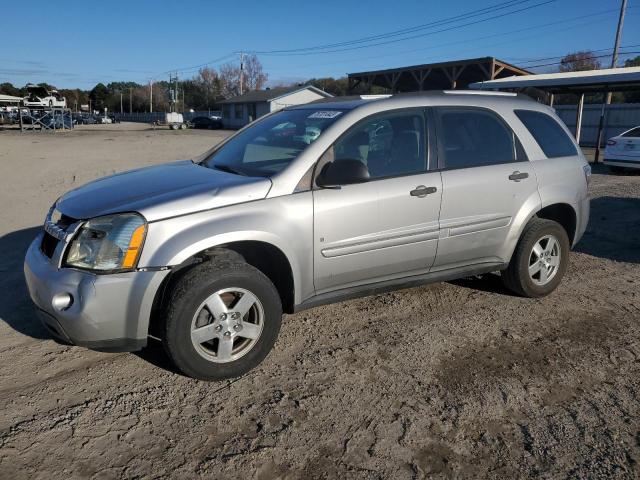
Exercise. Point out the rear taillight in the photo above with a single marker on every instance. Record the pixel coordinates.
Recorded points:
(611, 142)
(587, 173)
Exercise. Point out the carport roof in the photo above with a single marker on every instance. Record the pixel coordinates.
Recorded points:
(9, 99)
(589, 81)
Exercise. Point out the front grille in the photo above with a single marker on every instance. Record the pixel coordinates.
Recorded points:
(49, 244)
(54, 233)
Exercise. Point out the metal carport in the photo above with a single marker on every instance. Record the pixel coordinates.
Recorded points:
(578, 83)
(10, 99)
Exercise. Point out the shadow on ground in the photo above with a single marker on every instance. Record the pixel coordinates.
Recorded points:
(614, 230)
(15, 305)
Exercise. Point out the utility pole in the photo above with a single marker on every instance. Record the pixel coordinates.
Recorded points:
(121, 109)
(241, 70)
(150, 96)
(614, 60)
(174, 92)
(130, 100)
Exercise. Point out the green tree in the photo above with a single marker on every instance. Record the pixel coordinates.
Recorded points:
(99, 95)
(8, 89)
(579, 61)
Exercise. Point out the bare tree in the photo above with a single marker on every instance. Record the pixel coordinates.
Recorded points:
(254, 76)
(579, 61)
(229, 80)
(209, 83)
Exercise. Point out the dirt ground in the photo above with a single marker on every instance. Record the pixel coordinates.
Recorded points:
(453, 380)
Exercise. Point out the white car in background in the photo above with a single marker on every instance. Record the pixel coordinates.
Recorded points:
(39, 96)
(623, 151)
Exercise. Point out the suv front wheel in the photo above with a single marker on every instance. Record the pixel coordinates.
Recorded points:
(540, 259)
(223, 318)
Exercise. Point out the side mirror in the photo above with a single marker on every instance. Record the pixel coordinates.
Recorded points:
(344, 171)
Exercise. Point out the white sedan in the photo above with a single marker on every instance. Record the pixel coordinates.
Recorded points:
(623, 151)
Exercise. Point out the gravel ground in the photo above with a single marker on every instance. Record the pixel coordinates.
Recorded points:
(457, 379)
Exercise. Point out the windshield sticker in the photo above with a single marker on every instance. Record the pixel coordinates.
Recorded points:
(324, 114)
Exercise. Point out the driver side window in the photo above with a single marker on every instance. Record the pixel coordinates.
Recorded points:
(388, 145)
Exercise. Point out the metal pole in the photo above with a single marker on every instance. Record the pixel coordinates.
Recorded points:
(551, 98)
(241, 71)
(121, 109)
(130, 100)
(150, 96)
(614, 60)
(579, 117)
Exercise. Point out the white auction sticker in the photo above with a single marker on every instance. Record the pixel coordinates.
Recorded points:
(325, 114)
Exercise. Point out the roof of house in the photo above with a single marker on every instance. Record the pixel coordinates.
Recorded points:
(272, 94)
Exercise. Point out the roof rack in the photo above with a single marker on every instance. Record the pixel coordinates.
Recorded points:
(375, 97)
(479, 92)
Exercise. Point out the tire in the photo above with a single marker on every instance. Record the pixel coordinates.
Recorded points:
(183, 126)
(173, 126)
(206, 360)
(517, 277)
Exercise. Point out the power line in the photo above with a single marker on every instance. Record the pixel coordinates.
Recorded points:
(586, 50)
(493, 17)
(404, 31)
(466, 41)
(595, 56)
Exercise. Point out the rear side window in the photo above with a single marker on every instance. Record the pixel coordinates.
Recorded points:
(550, 136)
(634, 132)
(473, 137)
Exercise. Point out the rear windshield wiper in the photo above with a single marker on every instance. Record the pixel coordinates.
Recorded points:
(228, 169)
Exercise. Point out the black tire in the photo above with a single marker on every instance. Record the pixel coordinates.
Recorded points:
(516, 277)
(188, 294)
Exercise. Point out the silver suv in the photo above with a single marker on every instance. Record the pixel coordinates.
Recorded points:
(310, 205)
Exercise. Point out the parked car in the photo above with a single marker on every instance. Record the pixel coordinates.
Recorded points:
(6, 118)
(58, 122)
(102, 119)
(623, 151)
(39, 96)
(207, 254)
(206, 122)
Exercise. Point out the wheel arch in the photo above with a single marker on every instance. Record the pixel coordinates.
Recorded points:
(564, 214)
(264, 256)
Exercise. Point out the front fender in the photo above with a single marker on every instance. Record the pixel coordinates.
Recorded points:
(283, 222)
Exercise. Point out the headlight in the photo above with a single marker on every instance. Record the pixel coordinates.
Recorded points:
(112, 242)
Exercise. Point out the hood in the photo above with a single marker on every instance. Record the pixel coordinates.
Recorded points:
(162, 191)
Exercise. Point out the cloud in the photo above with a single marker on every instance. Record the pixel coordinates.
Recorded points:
(23, 71)
(23, 62)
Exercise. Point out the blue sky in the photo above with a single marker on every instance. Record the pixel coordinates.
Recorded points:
(77, 44)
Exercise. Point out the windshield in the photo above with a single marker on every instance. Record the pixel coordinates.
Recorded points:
(270, 145)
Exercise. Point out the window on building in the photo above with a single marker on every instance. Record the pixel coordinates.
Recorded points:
(548, 133)
(251, 108)
(238, 111)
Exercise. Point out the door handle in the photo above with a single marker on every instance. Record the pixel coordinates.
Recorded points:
(421, 191)
(517, 176)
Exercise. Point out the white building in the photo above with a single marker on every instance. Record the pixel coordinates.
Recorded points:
(239, 111)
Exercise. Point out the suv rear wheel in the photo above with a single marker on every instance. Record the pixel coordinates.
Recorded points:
(223, 318)
(539, 261)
